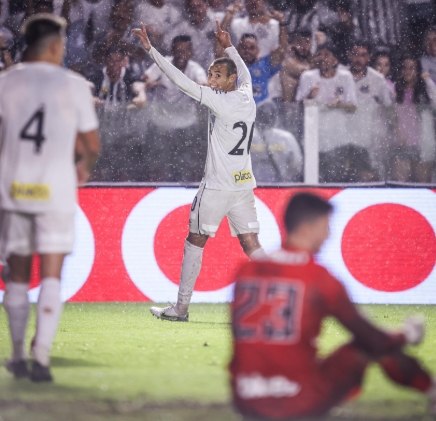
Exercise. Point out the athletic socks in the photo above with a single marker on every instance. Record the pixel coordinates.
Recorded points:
(49, 311)
(191, 266)
(16, 303)
(259, 254)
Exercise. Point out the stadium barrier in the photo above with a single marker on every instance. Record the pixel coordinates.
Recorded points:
(129, 244)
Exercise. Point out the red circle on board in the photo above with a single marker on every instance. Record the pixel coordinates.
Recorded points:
(222, 254)
(389, 247)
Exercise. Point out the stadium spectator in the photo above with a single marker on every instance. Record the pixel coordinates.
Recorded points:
(333, 87)
(413, 88)
(382, 62)
(275, 153)
(428, 61)
(120, 35)
(368, 127)
(115, 85)
(116, 92)
(159, 17)
(258, 22)
(371, 85)
(343, 32)
(264, 68)
(311, 15)
(300, 60)
(327, 83)
(200, 28)
(279, 306)
(216, 9)
(174, 119)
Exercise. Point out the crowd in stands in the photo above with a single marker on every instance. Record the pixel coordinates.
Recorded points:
(368, 65)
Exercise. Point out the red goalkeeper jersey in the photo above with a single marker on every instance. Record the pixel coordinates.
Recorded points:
(278, 308)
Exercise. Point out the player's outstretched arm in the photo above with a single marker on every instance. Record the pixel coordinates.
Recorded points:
(223, 38)
(185, 84)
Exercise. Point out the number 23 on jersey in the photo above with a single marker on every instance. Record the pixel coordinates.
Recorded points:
(268, 312)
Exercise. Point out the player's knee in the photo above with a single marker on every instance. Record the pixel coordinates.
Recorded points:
(198, 240)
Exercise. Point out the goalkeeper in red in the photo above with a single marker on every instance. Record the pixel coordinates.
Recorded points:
(228, 183)
(278, 309)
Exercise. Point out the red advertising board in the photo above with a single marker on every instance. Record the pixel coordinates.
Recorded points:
(129, 245)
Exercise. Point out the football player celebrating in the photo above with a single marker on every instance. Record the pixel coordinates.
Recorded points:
(44, 111)
(277, 313)
(228, 183)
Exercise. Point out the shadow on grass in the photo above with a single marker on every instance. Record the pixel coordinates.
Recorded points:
(73, 362)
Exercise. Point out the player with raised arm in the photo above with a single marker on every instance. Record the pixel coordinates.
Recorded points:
(228, 182)
(279, 306)
(48, 122)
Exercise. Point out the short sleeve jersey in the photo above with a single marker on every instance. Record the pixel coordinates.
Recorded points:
(42, 108)
(231, 125)
(261, 73)
(373, 89)
(341, 86)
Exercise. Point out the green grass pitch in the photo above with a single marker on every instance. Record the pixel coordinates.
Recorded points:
(116, 362)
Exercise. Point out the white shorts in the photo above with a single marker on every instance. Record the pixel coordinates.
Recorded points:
(25, 234)
(211, 206)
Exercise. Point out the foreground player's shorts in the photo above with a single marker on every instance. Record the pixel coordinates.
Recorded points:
(211, 206)
(24, 234)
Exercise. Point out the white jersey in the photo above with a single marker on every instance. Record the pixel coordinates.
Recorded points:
(231, 124)
(42, 108)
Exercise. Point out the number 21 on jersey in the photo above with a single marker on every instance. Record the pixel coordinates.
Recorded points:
(237, 150)
(268, 312)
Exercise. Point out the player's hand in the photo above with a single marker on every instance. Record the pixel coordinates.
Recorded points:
(234, 8)
(278, 16)
(413, 330)
(141, 34)
(222, 37)
(313, 92)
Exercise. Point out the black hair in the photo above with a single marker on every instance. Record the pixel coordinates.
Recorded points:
(229, 63)
(361, 43)
(115, 49)
(429, 30)
(381, 52)
(41, 26)
(330, 47)
(303, 33)
(303, 208)
(245, 36)
(180, 38)
(420, 95)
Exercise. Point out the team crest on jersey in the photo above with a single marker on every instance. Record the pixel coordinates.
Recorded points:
(242, 176)
(23, 191)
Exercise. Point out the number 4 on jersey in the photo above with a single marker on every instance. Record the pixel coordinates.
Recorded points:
(32, 130)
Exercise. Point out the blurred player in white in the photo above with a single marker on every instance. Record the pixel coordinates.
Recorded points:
(46, 113)
(228, 182)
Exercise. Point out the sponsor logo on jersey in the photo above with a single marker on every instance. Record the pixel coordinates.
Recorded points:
(256, 386)
(23, 191)
(242, 176)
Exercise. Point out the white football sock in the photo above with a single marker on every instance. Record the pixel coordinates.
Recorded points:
(259, 254)
(16, 303)
(191, 266)
(49, 311)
